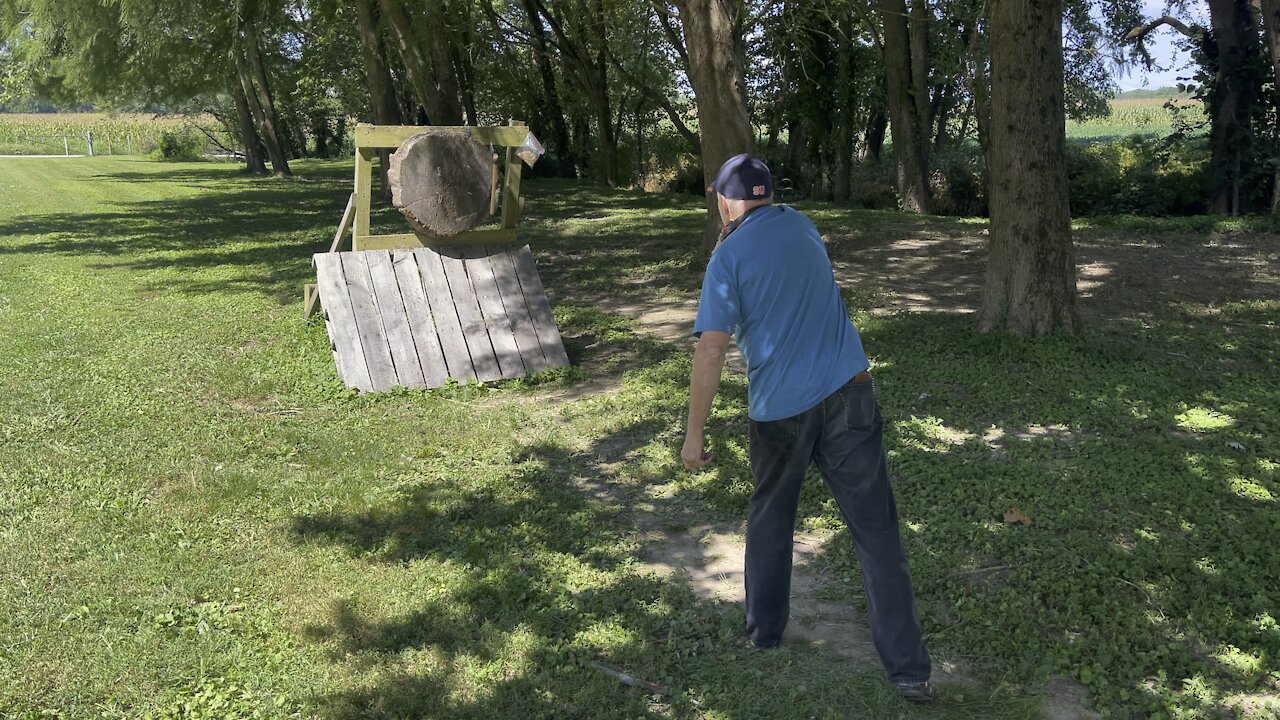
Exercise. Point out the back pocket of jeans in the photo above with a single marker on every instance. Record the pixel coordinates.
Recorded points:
(861, 411)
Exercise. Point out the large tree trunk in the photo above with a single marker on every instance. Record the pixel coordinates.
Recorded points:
(904, 123)
(713, 38)
(1234, 92)
(550, 96)
(441, 109)
(1031, 272)
(382, 92)
(1271, 24)
(253, 162)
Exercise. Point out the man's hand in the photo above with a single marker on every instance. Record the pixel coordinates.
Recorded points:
(694, 453)
(708, 361)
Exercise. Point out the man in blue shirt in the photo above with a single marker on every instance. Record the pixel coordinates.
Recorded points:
(810, 399)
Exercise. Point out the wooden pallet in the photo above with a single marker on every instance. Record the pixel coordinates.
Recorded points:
(416, 317)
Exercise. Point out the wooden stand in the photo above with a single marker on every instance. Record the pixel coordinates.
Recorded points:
(414, 310)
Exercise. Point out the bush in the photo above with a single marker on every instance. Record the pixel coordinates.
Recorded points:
(1139, 175)
(179, 145)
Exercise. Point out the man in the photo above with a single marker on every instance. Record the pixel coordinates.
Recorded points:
(810, 399)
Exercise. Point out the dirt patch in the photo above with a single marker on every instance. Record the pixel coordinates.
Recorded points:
(930, 271)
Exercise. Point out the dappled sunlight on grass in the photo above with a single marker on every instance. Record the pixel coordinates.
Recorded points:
(196, 508)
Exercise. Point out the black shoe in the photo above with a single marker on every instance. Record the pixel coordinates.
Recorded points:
(921, 692)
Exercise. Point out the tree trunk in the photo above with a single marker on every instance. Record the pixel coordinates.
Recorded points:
(908, 144)
(920, 71)
(272, 131)
(266, 130)
(941, 115)
(382, 93)
(713, 38)
(846, 103)
(1271, 24)
(550, 94)
(253, 162)
(1031, 271)
(1234, 92)
(873, 136)
(440, 110)
(438, 46)
(461, 53)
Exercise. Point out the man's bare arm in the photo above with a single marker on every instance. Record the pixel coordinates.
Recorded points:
(704, 382)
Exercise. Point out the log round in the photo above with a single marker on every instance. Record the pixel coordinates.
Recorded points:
(440, 180)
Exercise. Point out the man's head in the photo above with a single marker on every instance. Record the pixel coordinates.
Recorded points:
(744, 182)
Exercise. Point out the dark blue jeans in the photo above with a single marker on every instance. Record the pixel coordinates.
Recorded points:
(843, 434)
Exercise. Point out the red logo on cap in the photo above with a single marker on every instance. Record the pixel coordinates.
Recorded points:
(757, 190)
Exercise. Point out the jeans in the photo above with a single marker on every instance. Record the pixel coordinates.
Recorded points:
(843, 434)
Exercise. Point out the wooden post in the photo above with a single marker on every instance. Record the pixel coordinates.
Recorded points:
(511, 192)
(88, 136)
(66, 147)
(364, 189)
(493, 187)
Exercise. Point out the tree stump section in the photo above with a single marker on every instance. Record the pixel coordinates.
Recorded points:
(440, 180)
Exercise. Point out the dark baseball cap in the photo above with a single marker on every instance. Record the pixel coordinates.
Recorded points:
(743, 177)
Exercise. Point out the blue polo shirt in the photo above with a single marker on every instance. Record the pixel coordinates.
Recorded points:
(770, 284)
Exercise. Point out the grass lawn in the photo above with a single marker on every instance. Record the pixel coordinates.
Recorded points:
(198, 521)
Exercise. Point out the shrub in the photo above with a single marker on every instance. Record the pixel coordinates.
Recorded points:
(179, 145)
(1139, 175)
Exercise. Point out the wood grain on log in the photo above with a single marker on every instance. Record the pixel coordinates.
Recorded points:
(440, 180)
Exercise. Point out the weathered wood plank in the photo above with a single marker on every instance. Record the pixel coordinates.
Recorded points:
(416, 240)
(473, 328)
(395, 320)
(340, 320)
(377, 355)
(539, 308)
(504, 273)
(435, 370)
(501, 333)
(391, 136)
(448, 327)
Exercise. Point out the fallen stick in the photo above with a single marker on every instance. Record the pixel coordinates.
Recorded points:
(629, 679)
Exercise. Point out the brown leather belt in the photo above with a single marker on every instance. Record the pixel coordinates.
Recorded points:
(863, 376)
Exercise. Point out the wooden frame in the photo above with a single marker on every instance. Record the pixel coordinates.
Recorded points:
(386, 137)
(370, 138)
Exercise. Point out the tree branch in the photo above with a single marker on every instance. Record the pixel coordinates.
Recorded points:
(661, 101)
(1139, 34)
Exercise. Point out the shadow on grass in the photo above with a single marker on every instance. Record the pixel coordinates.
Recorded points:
(527, 572)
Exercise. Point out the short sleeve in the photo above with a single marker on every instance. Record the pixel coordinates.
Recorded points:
(719, 307)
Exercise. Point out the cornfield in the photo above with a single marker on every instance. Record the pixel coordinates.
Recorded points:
(1145, 116)
(119, 134)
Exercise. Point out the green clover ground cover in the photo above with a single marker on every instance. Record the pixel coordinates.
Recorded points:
(198, 521)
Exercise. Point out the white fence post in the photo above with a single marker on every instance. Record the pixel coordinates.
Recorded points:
(88, 136)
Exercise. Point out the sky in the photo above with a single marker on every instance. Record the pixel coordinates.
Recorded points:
(1170, 62)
